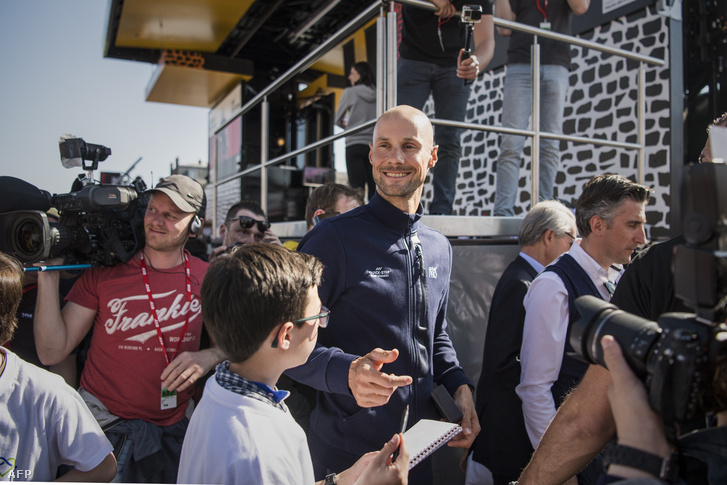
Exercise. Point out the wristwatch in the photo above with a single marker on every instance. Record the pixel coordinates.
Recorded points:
(666, 469)
(330, 479)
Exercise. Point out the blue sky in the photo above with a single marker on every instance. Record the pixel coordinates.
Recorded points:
(54, 80)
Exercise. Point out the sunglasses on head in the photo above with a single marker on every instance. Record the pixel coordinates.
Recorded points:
(247, 222)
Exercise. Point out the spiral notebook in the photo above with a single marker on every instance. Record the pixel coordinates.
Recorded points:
(427, 436)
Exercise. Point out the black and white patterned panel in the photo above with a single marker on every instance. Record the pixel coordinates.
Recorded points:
(602, 103)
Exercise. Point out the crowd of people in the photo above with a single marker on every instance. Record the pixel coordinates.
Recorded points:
(264, 362)
(357, 313)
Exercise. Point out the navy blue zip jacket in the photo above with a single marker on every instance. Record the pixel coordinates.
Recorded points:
(384, 291)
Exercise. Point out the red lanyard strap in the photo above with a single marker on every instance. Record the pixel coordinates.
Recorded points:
(541, 9)
(149, 295)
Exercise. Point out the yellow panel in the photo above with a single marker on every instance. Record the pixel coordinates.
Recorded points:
(359, 46)
(199, 25)
(332, 61)
(319, 86)
(189, 86)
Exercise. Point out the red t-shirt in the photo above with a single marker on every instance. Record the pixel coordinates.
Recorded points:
(125, 360)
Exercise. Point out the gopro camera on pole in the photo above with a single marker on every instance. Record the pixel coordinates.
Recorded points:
(471, 15)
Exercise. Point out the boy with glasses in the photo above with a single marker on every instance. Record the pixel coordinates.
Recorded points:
(261, 304)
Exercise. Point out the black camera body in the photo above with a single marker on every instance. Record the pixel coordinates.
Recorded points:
(99, 224)
(676, 358)
(682, 358)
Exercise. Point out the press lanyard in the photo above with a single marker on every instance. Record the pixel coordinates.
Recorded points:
(188, 278)
(441, 22)
(543, 10)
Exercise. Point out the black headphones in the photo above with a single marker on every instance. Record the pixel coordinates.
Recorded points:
(196, 225)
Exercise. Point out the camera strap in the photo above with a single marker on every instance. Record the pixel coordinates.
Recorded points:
(188, 278)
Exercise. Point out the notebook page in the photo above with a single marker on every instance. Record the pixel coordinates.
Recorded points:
(426, 436)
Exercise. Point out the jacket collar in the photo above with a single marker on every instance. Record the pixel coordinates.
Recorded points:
(391, 217)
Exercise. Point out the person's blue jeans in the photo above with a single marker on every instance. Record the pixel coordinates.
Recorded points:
(516, 110)
(416, 80)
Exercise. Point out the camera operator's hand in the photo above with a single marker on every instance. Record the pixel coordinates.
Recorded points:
(637, 425)
(468, 68)
(445, 8)
(49, 277)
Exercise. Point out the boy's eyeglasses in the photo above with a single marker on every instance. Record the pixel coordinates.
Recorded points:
(246, 222)
(322, 318)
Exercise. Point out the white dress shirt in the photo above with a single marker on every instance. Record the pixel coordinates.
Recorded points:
(532, 262)
(544, 335)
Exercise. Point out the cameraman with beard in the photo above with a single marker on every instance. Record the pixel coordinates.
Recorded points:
(144, 354)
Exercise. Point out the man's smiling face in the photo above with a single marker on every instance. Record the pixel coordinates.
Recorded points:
(401, 156)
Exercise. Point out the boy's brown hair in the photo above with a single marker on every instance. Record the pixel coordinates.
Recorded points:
(258, 287)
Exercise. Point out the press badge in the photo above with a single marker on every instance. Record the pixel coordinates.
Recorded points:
(169, 398)
(545, 25)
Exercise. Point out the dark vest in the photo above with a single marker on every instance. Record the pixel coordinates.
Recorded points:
(577, 283)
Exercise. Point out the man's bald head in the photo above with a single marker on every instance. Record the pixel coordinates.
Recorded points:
(409, 114)
(402, 153)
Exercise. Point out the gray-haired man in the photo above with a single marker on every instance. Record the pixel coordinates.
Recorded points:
(547, 231)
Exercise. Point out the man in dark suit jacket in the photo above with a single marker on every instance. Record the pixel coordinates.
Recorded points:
(503, 447)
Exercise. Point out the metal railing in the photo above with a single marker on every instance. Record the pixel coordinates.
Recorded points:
(262, 99)
(386, 93)
(536, 133)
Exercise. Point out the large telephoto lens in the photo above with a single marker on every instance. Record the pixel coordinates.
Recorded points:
(634, 334)
(29, 237)
(25, 235)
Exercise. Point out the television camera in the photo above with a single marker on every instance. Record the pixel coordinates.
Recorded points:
(98, 224)
(681, 358)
